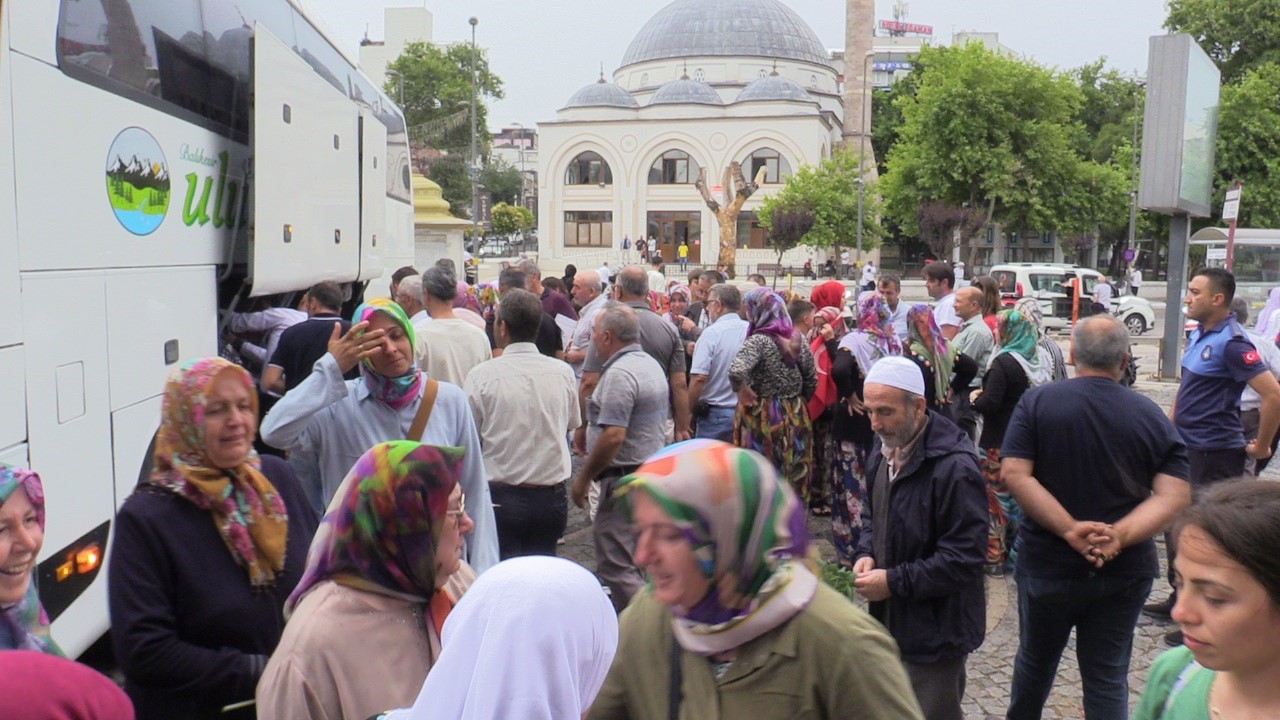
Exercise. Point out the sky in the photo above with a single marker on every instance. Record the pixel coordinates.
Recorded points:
(545, 50)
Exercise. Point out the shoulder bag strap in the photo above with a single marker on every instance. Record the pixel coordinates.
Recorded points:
(677, 681)
(424, 410)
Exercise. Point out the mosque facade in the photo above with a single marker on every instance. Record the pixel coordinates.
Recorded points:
(704, 83)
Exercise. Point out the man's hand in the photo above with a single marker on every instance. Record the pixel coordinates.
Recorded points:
(579, 492)
(864, 565)
(350, 348)
(1106, 546)
(855, 406)
(687, 325)
(873, 585)
(580, 441)
(747, 397)
(1256, 451)
(973, 396)
(1084, 536)
(682, 435)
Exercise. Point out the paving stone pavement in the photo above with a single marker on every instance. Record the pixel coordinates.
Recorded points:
(990, 668)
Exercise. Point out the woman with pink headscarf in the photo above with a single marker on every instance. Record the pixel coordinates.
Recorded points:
(466, 305)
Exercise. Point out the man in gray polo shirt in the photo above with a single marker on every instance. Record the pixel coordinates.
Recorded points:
(626, 414)
(976, 340)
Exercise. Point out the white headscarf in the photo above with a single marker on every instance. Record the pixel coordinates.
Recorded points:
(533, 638)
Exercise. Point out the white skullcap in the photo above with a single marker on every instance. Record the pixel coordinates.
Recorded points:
(897, 372)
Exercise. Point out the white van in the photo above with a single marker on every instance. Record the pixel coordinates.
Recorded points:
(1046, 282)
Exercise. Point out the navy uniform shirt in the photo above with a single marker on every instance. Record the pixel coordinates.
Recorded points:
(1217, 364)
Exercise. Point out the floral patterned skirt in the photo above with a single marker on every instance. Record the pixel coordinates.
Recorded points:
(779, 429)
(1004, 513)
(847, 469)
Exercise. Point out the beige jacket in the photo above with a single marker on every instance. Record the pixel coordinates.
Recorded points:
(349, 653)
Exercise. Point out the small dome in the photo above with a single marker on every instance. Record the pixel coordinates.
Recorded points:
(774, 87)
(751, 28)
(602, 94)
(686, 91)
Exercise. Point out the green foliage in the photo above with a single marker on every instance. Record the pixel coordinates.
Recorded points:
(1238, 34)
(1249, 145)
(503, 180)
(1110, 102)
(831, 192)
(436, 81)
(839, 578)
(511, 219)
(450, 172)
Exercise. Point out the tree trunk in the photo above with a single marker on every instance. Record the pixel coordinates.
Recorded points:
(727, 215)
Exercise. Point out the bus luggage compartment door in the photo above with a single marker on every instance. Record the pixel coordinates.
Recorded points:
(373, 195)
(306, 174)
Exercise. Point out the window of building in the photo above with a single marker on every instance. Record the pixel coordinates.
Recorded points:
(588, 168)
(777, 169)
(762, 73)
(644, 80)
(673, 167)
(699, 75)
(588, 228)
(813, 81)
(751, 234)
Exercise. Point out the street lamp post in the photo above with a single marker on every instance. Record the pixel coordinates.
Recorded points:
(473, 163)
(863, 121)
(520, 149)
(400, 85)
(1133, 176)
(858, 181)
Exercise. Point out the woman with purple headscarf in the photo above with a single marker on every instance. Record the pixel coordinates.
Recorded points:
(774, 376)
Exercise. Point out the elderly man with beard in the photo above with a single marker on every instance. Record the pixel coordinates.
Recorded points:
(924, 536)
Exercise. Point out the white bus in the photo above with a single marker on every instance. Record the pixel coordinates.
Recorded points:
(162, 161)
(1255, 261)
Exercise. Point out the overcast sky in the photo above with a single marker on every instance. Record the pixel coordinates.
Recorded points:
(545, 50)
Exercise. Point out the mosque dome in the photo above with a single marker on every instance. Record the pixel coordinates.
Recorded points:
(686, 91)
(774, 87)
(751, 28)
(602, 93)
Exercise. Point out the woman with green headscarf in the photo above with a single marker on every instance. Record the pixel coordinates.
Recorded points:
(1017, 366)
(945, 371)
(327, 423)
(734, 623)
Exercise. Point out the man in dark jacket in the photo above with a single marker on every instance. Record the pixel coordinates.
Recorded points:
(924, 536)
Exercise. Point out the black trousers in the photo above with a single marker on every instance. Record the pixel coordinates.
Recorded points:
(530, 519)
(1208, 468)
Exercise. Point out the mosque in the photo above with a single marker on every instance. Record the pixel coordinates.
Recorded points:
(704, 83)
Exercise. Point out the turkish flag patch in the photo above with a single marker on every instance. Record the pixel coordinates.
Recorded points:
(1252, 357)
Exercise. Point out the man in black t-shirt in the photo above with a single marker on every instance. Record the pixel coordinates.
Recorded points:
(303, 344)
(549, 341)
(1097, 469)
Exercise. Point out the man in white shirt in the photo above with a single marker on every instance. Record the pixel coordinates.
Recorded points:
(1135, 280)
(605, 273)
(409, 297)
(589, 293)
(657, 281)
(891, 289)
(940, 280)
(448, 346)
(710, 395)
(524, 404)
(269, 325)
(1102, 293)
(869, 276)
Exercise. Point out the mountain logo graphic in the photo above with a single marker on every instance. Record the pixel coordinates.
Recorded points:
(137, 181)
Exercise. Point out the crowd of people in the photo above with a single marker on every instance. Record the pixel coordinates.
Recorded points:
(365, 524)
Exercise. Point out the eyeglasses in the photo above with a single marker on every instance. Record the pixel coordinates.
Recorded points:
(460, 511)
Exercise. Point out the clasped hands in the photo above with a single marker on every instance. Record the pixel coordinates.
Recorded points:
(1098, 542)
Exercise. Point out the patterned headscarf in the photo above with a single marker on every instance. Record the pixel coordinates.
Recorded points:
(1018, 337)
(25, 626)
(246, 508)
(1030, 309)
(400, 391)
(876, 320)
(466, 298)
(488, 297)
(831, 315)
(382, 526)
(748, 534)
(828, 294)
(826, 392)
(767, 315)
(926, 340)
(677, 290)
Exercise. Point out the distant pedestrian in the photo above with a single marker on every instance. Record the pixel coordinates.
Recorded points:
(657, 280)
(869, 274)
(683, 254)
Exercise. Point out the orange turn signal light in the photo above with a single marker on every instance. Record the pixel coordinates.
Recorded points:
(88, 559)
(65, 570)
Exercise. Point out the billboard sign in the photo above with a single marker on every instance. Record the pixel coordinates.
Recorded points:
(1180, 128)
(891, 66)
(905, 27)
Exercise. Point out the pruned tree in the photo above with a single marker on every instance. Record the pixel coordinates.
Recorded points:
(727, 214)
(788, 226)
(944, 228)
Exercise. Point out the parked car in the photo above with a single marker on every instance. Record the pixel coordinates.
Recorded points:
(1048, 284)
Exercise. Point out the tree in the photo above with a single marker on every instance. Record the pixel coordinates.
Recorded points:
(727, 214)
(437, 86)
(502, 180)
(511, 219)
(1249, 145)
(787, 225)
(831, 191)
(944, 228)
(1237, 34)
(450, 173)
(988, 131)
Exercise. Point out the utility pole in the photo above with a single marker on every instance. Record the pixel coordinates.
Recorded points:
(1133, 175)
(473, 162)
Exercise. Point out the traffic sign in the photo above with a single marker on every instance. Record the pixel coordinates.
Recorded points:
(1230, 209)
(1129, 255)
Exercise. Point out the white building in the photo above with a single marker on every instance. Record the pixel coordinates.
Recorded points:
(403, 26)
(703, 83)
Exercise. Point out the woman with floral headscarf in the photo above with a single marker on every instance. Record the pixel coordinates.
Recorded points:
(327, 423)
(774, 377)
(1017, 366)
(945, 371)
(205, 552)
(734, 614)
(1030, 309)
(383, 573)
(466, 305)
(828, 329)
(851, 434)
(23, 623)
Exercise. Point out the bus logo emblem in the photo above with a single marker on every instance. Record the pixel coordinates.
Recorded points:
(137, 181)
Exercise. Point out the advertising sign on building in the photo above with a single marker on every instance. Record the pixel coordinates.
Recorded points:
(895, 26)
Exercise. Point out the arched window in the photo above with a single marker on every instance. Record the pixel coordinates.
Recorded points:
(777, 169)
(813, 81)
(699, 75)
(673, 167)
(763, 73)
(644, 80)
(588, 168)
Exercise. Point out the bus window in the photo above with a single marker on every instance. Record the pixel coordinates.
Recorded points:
(320, 55)
(228, 28)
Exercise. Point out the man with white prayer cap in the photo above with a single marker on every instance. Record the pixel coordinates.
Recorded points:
(924, 536)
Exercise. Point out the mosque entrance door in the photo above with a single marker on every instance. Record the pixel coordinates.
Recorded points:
(670, 229)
